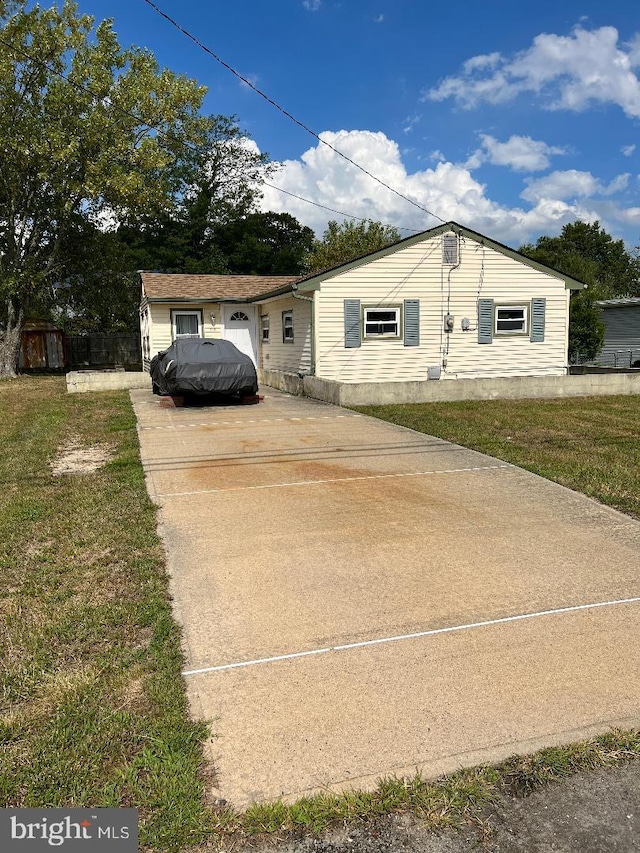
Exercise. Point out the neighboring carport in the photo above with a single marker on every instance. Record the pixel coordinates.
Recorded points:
(361, 600)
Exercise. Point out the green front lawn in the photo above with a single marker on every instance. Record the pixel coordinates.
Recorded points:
(93, 708)
(590, 444)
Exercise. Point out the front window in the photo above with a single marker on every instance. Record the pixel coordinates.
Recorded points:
(382, 322)
(264, 323)
(511, 320)
(187, 324)
(287, 327)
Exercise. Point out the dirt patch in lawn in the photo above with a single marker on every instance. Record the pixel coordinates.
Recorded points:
(77, 458)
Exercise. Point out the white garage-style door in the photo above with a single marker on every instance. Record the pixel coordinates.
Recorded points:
(240, 329)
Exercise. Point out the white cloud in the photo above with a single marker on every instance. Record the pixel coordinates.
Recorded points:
(619, 183)
(410, 122)
(628, 150)
(379, 19)
(520, 153)
(569, 72)
(312, 5)
(447, 189)
(570, 184)
(634, 51)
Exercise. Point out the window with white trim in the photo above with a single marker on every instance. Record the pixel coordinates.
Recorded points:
(264, 325)
(239, 317)
(511, 319)
(287, 327)
(381, 322)
(186, 324)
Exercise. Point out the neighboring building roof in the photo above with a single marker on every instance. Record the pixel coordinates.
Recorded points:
(172, 287)
(313, 281)
(622, 302)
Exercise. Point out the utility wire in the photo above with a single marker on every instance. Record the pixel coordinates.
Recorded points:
(185, 143)
(284, 112)
(339, 212)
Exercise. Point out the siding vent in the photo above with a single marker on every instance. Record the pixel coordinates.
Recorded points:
(538, 307)
(485, 321)
(450, 249)
(412, 322)
(352, 331)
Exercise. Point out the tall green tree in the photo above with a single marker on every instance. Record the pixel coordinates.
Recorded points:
(225, 189)
(264, 244)
(97, 290)
(89, 132)
(587, 252)
(586, 328)
(343, 243)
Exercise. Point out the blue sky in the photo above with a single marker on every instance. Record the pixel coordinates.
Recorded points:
(511, 118)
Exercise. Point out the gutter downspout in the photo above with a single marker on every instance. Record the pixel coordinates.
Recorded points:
(296, 295)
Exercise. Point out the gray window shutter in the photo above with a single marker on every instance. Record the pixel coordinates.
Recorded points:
(412, 322)
(485, 321)
(352, 333)
(538, 308)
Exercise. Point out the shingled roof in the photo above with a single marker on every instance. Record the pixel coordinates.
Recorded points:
(177, 286)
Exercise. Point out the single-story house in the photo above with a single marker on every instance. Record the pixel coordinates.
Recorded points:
(444, 304)
(621, 319)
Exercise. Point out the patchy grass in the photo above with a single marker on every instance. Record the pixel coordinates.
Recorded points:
(92, 708)
(451, 802)
(589, 444)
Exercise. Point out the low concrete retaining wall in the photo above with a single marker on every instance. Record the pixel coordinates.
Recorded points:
(291, 383)
(432, 391)
(80, 381)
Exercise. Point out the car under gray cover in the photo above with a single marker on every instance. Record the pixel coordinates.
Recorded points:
(197, 366)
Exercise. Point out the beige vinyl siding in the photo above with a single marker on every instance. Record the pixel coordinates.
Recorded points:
(417, 272)
(289, 357)
(160, 331)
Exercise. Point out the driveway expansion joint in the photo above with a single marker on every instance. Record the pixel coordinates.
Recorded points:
(416, 635)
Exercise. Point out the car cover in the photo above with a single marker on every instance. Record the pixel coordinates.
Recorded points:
(197, 366)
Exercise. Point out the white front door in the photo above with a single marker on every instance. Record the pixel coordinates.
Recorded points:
(240, 329)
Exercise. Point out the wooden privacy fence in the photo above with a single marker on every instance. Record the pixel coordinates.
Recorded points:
(96, 351)
(51, 349)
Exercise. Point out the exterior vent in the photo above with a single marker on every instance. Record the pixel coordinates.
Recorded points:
(450, 249)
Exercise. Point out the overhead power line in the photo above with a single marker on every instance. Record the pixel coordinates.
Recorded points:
(285, 112)
(339, 212)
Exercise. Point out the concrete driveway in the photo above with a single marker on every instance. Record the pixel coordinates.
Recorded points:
(360, 600)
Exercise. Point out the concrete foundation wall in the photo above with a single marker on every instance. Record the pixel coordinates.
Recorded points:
(291, 383)
(80, 381)
(383, 393)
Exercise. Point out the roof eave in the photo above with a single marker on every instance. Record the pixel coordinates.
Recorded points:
(198, 299)
(279, 291)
